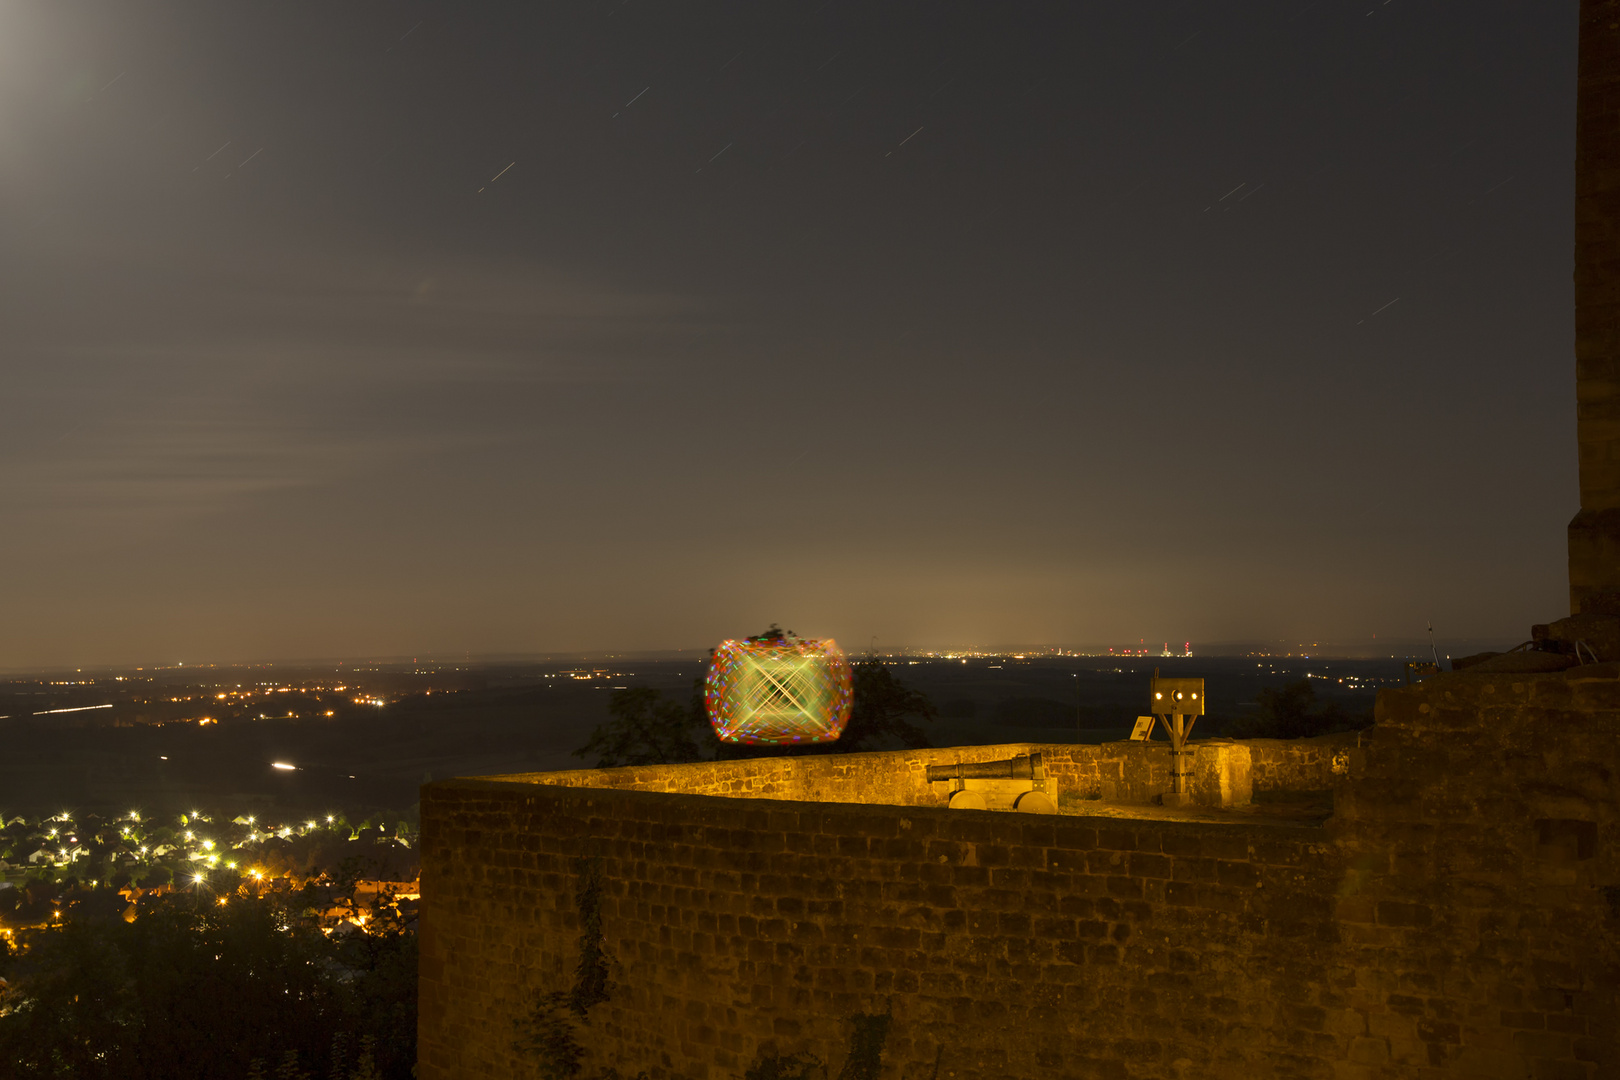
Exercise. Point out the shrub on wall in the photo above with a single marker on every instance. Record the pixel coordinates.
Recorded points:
(649, 728)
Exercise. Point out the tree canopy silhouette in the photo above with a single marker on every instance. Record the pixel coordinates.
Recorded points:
(1292, 712)
(650, 728)
(196, 987)
(884, 711)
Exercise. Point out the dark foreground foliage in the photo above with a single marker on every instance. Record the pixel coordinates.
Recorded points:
(199, 989)
(1293, 712)
(650, 729)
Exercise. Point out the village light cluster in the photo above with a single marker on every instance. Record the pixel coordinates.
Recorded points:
(193, 846)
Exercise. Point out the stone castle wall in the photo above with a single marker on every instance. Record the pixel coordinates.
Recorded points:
(1288, 765)
(1459, 916)
(1594, 534)
(1118, 772)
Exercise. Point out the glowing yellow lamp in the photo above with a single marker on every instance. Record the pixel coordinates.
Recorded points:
(778, 690)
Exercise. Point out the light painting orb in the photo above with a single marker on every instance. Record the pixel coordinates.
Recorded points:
(776, 691)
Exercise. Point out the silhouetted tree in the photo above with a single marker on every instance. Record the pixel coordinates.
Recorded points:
(883, 712)
(204, 991)
(1292, 712)
(649, 729)
(157, 877)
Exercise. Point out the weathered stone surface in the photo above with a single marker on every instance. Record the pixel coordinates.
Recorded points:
(1296, 764)
(1591, 635)
(1594, 534)
(1457, 917)
(1119, 772)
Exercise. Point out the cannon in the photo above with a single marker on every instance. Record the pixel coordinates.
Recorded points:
(1022, 767)
(1015, 783)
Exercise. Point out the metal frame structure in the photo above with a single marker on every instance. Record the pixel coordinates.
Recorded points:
(1178, 703)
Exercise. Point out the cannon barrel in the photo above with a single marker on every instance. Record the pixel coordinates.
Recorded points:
(1021, 767)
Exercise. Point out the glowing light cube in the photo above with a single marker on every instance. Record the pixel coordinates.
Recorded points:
(778, 691)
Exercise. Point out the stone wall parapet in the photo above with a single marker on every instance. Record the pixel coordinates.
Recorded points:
(1458, 916)
(1124, 772)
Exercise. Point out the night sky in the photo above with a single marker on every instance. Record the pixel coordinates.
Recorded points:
(372, 329)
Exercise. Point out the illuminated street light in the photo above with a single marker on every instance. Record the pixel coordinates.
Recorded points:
(283, 766)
